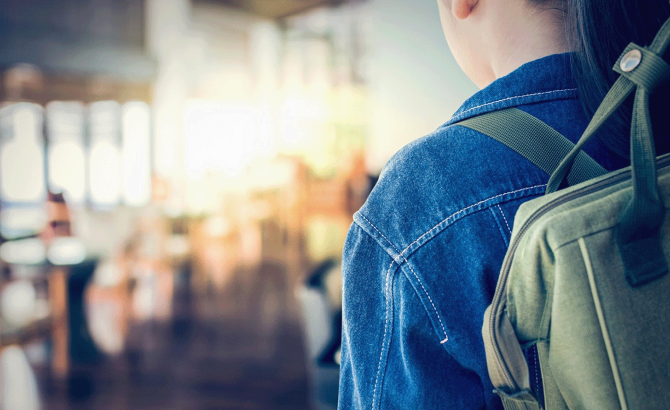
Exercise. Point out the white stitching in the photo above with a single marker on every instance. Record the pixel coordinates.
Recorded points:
(462, 210)
(505, 218)
(537, 367)
(430, 299)
(375, 228)
(395, 260)
(512, 98)
(386, 320)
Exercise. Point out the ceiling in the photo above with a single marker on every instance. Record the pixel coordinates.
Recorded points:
(277, 9)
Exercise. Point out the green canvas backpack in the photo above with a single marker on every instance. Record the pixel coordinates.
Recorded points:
(585, 281)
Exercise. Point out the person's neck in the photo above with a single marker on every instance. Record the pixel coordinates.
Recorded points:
(504, 62)
(513, 44)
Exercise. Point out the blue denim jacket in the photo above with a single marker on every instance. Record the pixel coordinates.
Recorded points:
(422, 257)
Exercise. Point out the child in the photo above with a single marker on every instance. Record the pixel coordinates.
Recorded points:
(422, 257)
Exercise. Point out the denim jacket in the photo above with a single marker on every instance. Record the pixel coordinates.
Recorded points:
(422, 257)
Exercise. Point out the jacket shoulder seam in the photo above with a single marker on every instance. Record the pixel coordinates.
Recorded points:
(461, 213)
(388, 323)
(401, 257)
(396, 251)
(459, 116)
(437, 314)
(399, 261)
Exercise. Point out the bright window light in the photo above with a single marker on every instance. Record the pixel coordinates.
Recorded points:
(19, 221)
(219, 138)
(66, 251)
(105, 173)
(22, 154)
(23, 252)
(105, 154)
(66, 158)
(136, 155)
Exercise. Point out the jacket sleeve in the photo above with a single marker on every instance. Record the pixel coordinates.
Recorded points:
(393, 353)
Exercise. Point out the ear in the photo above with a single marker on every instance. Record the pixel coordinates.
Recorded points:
(461, 9)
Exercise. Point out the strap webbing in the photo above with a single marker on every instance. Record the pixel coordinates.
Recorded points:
(534, 140)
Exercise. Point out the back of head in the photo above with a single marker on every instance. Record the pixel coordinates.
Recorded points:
(598, 31)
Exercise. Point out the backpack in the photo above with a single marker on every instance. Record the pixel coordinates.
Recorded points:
(583, 295)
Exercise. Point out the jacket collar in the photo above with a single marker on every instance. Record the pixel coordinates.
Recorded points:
(548, 78)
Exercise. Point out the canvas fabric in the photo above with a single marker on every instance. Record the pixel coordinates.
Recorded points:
(602, 344)
(585, 282)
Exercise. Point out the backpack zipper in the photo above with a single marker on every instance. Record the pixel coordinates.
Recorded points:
(497, 302)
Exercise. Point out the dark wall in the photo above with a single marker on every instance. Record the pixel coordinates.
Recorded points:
(110, 21)
(98, 37)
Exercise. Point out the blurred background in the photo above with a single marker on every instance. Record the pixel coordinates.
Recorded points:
(177, 178)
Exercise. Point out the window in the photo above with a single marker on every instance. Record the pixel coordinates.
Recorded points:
(66, 158)
(105, 154)
(136, 157)
(22, 154)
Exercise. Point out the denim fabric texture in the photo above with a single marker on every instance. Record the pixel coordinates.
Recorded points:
(422, 257)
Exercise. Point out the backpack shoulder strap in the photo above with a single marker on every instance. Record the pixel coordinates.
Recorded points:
(534, 140)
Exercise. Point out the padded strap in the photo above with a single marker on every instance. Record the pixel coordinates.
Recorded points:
(534, 140)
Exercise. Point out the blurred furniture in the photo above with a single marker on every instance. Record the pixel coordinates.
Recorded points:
(51, 268)
(63, 322)
(53, 325)
(60, 332)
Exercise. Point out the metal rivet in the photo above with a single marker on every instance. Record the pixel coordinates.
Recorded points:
(631, 60)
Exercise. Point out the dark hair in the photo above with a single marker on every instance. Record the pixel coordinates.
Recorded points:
(598, 31)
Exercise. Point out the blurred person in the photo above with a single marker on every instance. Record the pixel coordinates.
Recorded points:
(58, 216)
(422, 258)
